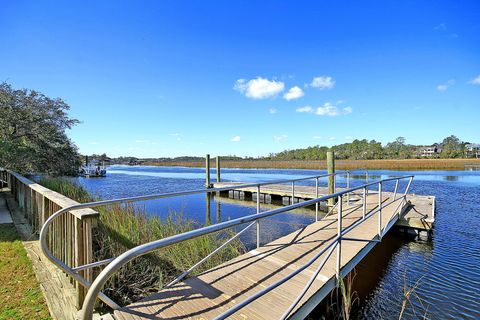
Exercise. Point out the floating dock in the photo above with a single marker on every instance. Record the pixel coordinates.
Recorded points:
(419, 215)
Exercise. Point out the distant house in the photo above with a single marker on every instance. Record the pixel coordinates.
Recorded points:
(428, 151)
(472, 150)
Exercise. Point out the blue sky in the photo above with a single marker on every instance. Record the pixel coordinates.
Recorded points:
(170, 78)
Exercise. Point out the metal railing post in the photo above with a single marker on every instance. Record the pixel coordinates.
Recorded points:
(293, 192)
(366, 178)
(364, 203)
(258, 221)
(395, 191)
(348, 187)
(316, 197)
(339, 235)
(380, 210)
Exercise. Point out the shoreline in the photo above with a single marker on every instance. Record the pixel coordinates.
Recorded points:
(390, 164)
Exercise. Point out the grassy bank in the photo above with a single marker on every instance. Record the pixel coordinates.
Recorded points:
(20, 294)
(403, 164)
(121, 227)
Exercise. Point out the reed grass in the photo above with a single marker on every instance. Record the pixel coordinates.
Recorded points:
(121, 227)
(386, 164)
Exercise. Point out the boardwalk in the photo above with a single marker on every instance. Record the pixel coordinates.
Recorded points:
(214, 291)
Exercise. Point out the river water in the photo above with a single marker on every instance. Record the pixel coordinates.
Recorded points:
(443, 269)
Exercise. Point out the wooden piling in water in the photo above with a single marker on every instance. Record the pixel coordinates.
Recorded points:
(218, 169)
(331, 179)
(207, 171)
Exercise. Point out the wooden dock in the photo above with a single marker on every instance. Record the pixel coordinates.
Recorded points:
(418, 216)
(211, 293)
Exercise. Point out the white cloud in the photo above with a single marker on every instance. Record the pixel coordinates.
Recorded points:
(331, 110)
(323, 82)
(327, 109)
(347, 110)
(317, 137)
(280, 138)
(236, 139)
(94, 143)
(259, 88)
(272, 111)
(349, 138)
(331, 138)
(307, 109)
(294, 93)
(445, 86)
(476, 81)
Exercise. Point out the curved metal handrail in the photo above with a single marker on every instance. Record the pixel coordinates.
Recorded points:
(73, 272)
(117, 263)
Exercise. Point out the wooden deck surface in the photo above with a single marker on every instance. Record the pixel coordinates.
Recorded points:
(218, 289)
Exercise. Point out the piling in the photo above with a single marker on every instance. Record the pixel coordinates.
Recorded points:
(207, 171)
(218, 168)
(331, 179)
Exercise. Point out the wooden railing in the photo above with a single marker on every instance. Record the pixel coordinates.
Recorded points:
(70, 238)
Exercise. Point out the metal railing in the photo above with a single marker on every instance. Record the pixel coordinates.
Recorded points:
(114, 264)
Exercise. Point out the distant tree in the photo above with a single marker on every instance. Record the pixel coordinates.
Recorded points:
(452, 147)
(32, 133)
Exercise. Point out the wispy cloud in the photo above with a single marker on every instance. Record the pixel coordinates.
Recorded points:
(294, 93)
(142, 141)
(476, 81)
(236, 139)
(316, 137)
(280, 138)
(94, 142)
(442, 29)
(273, 111)
(322, 82)
(349, 138)
(328, 109)
(445, 86)
(306, 109)
(259, 88)
(331, 138)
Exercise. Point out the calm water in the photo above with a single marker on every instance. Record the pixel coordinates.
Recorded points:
(446, 267)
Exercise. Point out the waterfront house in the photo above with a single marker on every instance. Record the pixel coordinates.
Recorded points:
(472, 150)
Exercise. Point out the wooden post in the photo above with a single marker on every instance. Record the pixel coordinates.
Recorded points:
(208, 210)
(218, 168)
(79, 259)
(207, 171)
(331, 179)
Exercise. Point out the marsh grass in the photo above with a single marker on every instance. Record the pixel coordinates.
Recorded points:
(121, 227)
(385, 164)
(408, 294)
(342, 299)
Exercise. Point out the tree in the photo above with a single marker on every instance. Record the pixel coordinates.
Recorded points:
(452, 147)
(32, 133)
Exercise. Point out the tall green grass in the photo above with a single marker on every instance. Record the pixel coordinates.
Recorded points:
(121, 227)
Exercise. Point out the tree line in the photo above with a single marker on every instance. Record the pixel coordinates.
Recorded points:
(450, 147)
(33, 133)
